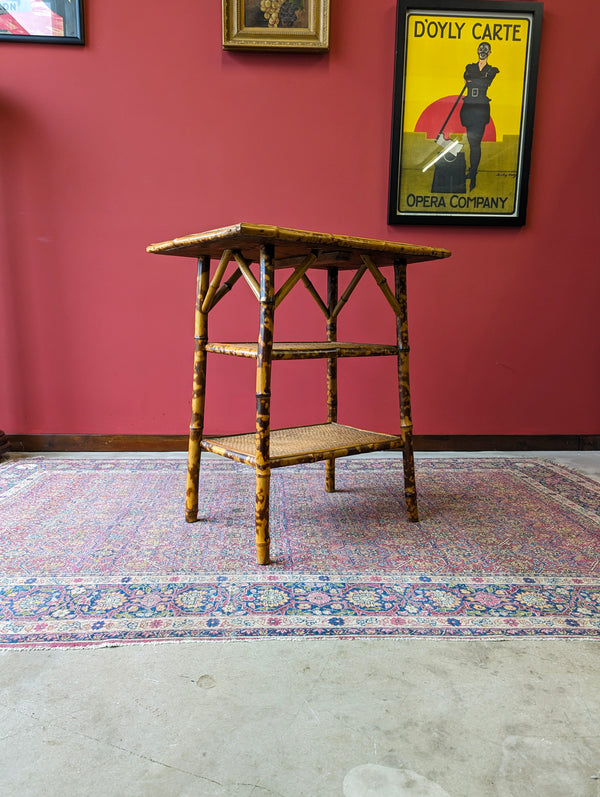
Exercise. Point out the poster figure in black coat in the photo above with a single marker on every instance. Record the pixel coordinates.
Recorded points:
(475, 110)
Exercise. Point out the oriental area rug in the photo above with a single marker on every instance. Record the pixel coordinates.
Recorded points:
(96, 551)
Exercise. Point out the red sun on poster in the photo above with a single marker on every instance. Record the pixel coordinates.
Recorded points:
(433, 117)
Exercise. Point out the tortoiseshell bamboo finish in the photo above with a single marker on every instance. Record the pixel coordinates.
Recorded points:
(306, 351)
(341, 251)
(276, 248)
(263, 402)
(410, 489)
(199, 391)
(332, 386)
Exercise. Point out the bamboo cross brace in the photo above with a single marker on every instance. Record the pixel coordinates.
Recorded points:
(216, 281)
(226, 287)
(244, 266)
(313, 292)
(346, 295)
(382, 282)
(299, 272)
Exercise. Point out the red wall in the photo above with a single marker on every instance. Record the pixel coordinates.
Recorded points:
(153, 131)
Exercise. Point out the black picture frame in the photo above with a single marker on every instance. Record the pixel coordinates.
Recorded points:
(459, 155)
(42, 21)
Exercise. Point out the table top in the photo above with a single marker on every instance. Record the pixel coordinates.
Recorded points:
(342, 251)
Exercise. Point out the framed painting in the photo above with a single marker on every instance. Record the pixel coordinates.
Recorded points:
(276, 24)
(463, 107)
(44, 21)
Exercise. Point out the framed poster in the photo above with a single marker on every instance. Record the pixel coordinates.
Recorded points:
(45, 21)
(276, 24)
(463, 107)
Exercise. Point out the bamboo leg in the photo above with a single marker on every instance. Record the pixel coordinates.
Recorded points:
(332, 387)
(263, 491)
(263, 403)
(410, 488)
(199, 390)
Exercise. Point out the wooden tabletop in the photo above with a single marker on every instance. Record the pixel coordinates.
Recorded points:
(343, 251)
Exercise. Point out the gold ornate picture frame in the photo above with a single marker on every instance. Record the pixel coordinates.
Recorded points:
(276, 24)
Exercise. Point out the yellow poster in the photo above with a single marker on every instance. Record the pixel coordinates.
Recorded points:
(461, 143)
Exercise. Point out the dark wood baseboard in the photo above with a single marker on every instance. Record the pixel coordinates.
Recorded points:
(124, 442)
(4, 443)
(98, 442)
(508, 442)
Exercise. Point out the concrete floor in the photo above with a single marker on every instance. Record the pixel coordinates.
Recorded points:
(306, 718)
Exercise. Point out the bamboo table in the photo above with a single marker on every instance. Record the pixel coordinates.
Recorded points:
(275, 248)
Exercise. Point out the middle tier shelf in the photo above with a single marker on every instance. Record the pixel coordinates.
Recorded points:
(301, 444)
(306, 350)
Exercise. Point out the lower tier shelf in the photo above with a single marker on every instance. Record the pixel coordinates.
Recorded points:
(303, 444)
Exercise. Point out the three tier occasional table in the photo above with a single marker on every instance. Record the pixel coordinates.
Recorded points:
(256, 251)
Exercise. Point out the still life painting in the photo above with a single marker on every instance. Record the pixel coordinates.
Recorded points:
(276, 24)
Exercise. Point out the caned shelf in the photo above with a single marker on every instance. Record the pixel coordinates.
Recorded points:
(305, 350)
(301, 444)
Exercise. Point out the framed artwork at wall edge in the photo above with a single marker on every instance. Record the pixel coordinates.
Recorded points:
(463, 108)
(276, 25)
(42, 21)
